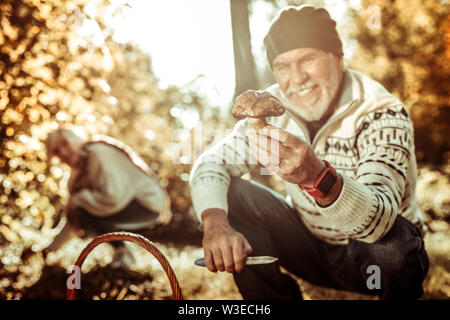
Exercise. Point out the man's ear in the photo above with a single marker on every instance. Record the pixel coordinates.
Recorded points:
(340, 61)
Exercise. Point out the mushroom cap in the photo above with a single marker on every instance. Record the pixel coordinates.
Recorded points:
(256, 104)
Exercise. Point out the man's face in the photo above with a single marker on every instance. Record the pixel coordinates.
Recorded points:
(309, 78)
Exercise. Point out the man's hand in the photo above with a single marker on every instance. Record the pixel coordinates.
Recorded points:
(291, 158)
(224, 248)
(285, 154)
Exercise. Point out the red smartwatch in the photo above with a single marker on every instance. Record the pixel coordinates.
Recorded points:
(324, 182)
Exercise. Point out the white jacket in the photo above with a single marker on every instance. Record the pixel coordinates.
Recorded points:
(113, 176)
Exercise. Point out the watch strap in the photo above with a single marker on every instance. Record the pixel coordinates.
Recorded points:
(323, 183)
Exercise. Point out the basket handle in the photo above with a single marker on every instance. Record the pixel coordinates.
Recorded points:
(141, 241)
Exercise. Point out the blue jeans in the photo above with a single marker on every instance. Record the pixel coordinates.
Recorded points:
(274, 228)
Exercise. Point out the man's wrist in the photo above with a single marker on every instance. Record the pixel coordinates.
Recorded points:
(214, 216)
(332, 195)
(320, 166)
(323, 183)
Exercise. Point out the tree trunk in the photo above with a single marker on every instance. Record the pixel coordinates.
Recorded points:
(243, 59)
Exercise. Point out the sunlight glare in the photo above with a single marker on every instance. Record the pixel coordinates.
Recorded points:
(185, 39)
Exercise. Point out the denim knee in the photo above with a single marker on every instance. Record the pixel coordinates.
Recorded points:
(394, 256)
(403, 245)
(238, 187)
(401, 258)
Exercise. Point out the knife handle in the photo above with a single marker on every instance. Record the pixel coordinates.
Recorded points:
(200, 262)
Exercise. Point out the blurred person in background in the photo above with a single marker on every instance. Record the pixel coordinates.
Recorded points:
(351, 220)
(111, 189)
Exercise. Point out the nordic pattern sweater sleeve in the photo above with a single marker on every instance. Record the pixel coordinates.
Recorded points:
(212, 171)
(367, 206)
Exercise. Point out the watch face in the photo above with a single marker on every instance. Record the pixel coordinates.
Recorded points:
(327, 182)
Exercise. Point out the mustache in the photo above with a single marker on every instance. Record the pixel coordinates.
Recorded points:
(295, 89)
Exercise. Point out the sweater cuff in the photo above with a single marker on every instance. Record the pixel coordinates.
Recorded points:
(353, 206)
(206, 196)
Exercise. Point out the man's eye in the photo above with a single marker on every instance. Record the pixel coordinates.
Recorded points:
(310, 58)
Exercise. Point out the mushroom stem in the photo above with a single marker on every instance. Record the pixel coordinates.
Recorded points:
(257, 123)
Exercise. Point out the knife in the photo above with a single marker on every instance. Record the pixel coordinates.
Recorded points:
(249, 261)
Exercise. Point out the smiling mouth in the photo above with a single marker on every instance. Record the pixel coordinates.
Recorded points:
(305, 91)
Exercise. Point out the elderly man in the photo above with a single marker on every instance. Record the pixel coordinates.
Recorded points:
(346, 154)
(111, 189)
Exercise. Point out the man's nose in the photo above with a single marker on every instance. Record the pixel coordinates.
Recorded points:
(298, 76)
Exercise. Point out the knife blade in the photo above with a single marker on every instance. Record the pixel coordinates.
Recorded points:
(249, 261)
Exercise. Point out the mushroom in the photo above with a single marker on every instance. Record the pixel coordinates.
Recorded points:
(256, 105)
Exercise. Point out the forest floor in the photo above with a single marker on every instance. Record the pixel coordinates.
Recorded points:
(24, 275)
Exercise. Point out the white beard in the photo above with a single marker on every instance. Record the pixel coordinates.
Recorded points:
(314, 112)
(309, 112)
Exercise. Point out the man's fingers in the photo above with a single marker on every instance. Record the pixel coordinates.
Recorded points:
(286, 138)
(280, 152)
(228, 261)
(241, 249)
(270, 161)
(220, 249)
(274, 149)
(209, 262)
(247, 248)
(268, 151)
(238, 256)
(218, 260)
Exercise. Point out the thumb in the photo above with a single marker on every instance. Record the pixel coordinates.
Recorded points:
(247, 248)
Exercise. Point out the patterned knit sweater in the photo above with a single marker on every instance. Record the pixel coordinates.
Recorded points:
(368, 140)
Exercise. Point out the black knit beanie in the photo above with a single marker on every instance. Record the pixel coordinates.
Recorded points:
(302, 27)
